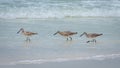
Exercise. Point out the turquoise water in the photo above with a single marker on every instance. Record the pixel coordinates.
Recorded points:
(48, 16)
(58, 8)
(45, 47)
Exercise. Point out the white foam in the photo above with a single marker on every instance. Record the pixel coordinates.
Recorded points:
(46, 9)
(39, 61)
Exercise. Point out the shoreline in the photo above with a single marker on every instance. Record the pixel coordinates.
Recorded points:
(113, 63)
(66, 17)
(45, 45)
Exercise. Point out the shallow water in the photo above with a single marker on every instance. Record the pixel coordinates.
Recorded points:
(45, 47)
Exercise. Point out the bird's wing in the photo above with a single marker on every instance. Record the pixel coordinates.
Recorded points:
(27, 32)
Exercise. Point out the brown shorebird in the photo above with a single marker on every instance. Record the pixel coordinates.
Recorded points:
(67, 34)
(26, 33)
(91, 35)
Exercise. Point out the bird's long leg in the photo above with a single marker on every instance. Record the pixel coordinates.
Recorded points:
(70, 38)
(27, 39)
(88, 41)
(91, 41)
(67, 38)
(94, 40)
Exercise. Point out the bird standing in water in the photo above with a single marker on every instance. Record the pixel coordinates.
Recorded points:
(67, 34)
(26, 33)
(91, 35)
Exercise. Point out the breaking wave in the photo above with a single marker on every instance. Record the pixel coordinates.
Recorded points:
(58, 9)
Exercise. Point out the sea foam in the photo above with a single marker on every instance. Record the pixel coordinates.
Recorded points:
(58, 9)
(40, 61)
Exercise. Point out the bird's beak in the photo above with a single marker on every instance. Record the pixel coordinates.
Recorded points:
(81, 35)
(101, 34)
(18, 31)
(76, 33)
(55, 33)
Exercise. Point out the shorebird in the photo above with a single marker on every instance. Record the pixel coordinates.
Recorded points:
(26, 33)
(91, 35)
(67, 34)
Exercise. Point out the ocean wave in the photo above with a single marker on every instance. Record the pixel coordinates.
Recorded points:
(23, 9)
(40, 61)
